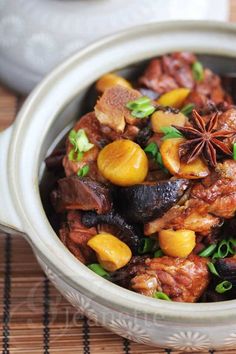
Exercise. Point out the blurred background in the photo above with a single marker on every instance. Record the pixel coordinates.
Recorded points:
(35, 35)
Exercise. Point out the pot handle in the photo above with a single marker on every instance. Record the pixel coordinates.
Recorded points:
(9, 220)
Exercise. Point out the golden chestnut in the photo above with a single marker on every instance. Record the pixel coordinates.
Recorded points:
(123, 163)
(111, 253)
(170, 156)
(178, 243)
(174, 98)
(162, 119)
(109, 80)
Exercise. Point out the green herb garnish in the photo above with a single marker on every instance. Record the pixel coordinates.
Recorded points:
(198, 71)
(223, 287)
(97, 268)
(186, 110)
(141, 108)
(212, 268)
(80, 141)
(234, 151)
(170, 133)
(147, 245)
(83, 171)
(161, 296)
(80, 144)
(138, 103)
(153, 150)
(207, 252)
(158, 254)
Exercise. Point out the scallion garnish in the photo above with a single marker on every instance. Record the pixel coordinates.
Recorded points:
(147, 245)
(207, 252)
(198, 71)
(170, 133)
(212, 268)
(141, 108)
(75, 156)
(187, 109)
(80, 143)
(137, 103)
(161, 296)
(223, 287)
(232, 245)
(97, 268)
(234, 151)
(223, 249)
(83, 171)
(158, 253)
(153, 150)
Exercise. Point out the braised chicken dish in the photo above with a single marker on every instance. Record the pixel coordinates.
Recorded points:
(146, 182)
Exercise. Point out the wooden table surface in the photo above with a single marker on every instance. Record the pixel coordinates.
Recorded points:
(35, 317)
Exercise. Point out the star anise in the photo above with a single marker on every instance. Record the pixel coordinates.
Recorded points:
(203, 139)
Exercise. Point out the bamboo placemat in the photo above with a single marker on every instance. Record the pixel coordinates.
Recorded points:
(36, 319)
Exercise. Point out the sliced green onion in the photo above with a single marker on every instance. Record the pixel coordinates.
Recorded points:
(80, 141)
(79, 156)
(97, 268)
(207, 252)
(170, 132)
(212, 268)
(147, 245)
(186, 110)
(232, 245)
(223, 287)
(158, 254)
(198, 71)
(71, 155)
(83, 171)
(143, 112)
(151, 149)
(234, 151)
(161, 296)
(223, 249)
(137, 103)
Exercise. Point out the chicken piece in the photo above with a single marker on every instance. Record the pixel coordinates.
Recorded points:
(175, 70)
(182, 279)
(154, 78)
(227, 121)
(75, 236)
(191, 216)
(110, 109)
(96, 136)
(218, 191)
(210, 200)
(81, 193)
(180, 69)
(208, 92)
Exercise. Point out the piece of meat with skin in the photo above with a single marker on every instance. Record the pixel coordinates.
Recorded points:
(218, 191)
(75, 236)
(191, 216)
(81, 193)
(209, 91)
(179, 69)
(182, 279)
(96, 136)
(154, 78)
(227, 121)
(210, 201)
(111, 110)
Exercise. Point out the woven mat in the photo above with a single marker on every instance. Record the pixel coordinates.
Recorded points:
(36, 319)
